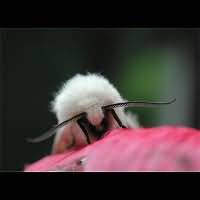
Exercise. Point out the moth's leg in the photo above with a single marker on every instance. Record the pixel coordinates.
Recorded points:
(117, 118)
(79, 121)
(63, 140)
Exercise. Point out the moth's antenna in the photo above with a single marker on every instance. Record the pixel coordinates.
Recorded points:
(138, 104)
(53, 130)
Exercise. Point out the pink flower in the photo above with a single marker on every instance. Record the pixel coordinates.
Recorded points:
(163, 148)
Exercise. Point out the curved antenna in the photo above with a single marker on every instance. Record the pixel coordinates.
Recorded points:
(138, 104)
(52, 131)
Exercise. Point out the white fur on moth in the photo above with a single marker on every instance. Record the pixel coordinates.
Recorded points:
(85, 93)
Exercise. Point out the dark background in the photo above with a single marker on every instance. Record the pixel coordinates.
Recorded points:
(150, 64)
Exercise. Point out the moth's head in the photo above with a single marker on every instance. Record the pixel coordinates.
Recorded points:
(95, 115)
(95, 123)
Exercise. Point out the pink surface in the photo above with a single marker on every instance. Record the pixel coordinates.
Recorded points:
(143, 149)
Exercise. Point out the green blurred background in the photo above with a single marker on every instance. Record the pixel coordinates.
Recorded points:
(144, 64)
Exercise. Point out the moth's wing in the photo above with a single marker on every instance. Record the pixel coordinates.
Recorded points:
(132, 120)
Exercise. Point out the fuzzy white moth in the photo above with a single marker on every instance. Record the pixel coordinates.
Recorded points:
(86, 93)
(93, 106)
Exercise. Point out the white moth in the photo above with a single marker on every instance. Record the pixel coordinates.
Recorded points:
(86, 107)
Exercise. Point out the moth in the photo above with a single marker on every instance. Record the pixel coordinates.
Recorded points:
(86, 107)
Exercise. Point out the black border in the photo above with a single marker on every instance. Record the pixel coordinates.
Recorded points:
(85, 19)
(93, 184)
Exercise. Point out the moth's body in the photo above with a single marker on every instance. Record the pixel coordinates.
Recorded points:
(86, 93)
